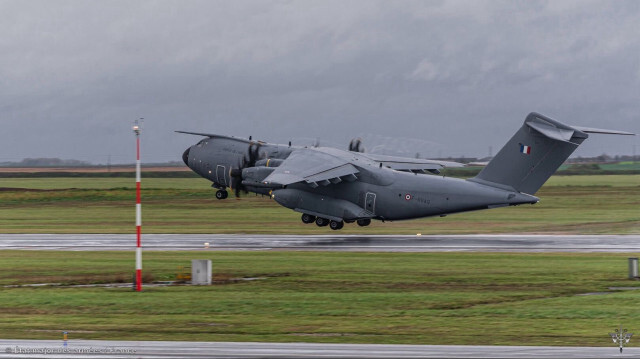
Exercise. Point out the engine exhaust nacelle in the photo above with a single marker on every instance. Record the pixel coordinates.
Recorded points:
(254, 176)
(269, 162)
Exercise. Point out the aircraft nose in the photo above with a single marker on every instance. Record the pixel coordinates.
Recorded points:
(185, 156)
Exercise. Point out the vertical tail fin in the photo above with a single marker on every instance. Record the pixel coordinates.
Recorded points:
(532, 155)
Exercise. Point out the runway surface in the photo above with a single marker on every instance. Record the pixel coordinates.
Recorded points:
(148, 349)
(378, 243)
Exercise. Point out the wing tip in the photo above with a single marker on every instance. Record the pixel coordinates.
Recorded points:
(195, 133)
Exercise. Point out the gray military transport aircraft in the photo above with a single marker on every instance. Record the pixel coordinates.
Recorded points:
(330, 186)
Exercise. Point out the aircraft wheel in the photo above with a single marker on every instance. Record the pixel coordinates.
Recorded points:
(307, 218)
(335, 225)
(321, 222)
(222, 194)
(364, 222)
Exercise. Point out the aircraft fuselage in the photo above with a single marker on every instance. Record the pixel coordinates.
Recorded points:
(379, 192)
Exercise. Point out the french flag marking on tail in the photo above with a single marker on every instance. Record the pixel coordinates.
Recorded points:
(525, 149)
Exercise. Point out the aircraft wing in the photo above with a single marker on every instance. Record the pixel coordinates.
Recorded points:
(411, 164)
(213, 135)
(313, 167)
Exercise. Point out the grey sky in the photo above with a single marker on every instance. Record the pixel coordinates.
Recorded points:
(450, 77)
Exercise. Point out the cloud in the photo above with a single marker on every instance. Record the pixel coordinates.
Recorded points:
(425, 71)
(74, 75)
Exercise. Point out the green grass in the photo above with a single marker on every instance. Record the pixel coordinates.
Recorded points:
(203, 184)
(594, 181)
(417, 298)
(569, 204)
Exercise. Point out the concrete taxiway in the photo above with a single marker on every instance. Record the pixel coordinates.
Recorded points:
(380, 243)
(148, 349)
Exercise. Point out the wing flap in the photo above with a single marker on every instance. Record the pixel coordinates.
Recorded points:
(332, 175)
(411, 164)
(312, 167)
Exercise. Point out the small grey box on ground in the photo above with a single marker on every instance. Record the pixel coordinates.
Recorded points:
(201, 271)
(633, 268)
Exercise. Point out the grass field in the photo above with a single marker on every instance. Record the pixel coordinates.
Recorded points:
(420, 298)
(569, 204)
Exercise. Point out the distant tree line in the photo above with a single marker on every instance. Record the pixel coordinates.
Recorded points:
(603, 158)
(57, 162)
(46, 162)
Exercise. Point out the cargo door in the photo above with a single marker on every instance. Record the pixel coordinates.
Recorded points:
(221, 178)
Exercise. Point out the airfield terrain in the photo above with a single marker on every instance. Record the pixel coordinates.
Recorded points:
(483, 298)
(568, 204)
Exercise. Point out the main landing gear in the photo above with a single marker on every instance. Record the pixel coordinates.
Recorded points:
(307, 218)
(222, 194)
(364, 222)
(321, 222)
(335, 225)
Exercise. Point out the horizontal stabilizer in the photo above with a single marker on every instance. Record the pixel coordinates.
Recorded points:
(552, 129)
(599, 130)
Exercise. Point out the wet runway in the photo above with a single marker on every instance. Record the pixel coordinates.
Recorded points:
(378, 243)
(149, 349)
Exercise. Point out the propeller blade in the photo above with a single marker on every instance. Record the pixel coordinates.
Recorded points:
(248, 160)
(254, 154)
(356, 145)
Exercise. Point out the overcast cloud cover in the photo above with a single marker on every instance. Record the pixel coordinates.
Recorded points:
(448, 77)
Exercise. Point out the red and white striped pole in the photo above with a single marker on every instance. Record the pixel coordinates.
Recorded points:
(136, 129)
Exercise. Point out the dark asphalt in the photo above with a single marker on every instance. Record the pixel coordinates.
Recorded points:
(381, 243)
